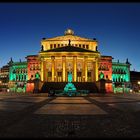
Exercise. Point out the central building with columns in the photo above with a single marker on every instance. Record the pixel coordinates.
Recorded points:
(69, 53)
(73, 54)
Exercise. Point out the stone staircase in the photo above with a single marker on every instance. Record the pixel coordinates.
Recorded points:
(90, 86)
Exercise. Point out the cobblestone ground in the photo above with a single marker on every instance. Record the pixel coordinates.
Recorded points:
(40, 116)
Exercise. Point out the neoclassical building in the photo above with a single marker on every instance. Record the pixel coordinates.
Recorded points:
(69, 53)
(73, 54)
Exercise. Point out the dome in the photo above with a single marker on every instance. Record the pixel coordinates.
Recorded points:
(69, 32)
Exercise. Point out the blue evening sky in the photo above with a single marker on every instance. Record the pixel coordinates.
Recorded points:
(115, 25)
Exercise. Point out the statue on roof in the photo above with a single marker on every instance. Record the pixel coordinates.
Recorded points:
(42, 48)
(127, 62)
(11, 61)
(69, 42)
(96, 49)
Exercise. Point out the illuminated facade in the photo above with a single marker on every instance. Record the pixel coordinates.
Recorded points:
(65, 54)
(56, 63)
(121, 76)
(17, 76)
(33, 67)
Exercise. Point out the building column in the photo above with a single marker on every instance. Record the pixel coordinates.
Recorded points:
(96, 69)
(44, 71)
(92, 72)
(85, 68)
(74, 68)
(53, 67)
(64, 68)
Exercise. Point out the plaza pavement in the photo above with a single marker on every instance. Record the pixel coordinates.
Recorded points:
(39, 116)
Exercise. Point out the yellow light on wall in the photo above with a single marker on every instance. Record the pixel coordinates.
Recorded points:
(139, 82)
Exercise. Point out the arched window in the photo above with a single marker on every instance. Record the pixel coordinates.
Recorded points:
(106, 76)
(32, 76)
(25, 77)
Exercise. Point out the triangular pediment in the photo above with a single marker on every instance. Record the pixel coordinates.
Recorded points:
(71, 37)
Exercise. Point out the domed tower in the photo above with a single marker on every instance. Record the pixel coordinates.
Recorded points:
(69, 32)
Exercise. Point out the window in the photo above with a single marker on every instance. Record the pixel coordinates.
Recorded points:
(25, 77)
(62, 45)
(79, 74)
(59, 74)
(16, 77)
(75, 45)
(87, 47)
(80, 45)
(54, 45)
(22, 77)
(49, 74)
(106, 76)
(58, 45)
(51, 46)
(83, 45)
(89, 74)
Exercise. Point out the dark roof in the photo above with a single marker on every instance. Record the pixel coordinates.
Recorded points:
(69, 49)
(31, 55)
(135, 73)
(106, 56)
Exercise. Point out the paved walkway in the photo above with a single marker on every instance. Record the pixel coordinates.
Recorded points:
(71, 106)
(42, 116)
